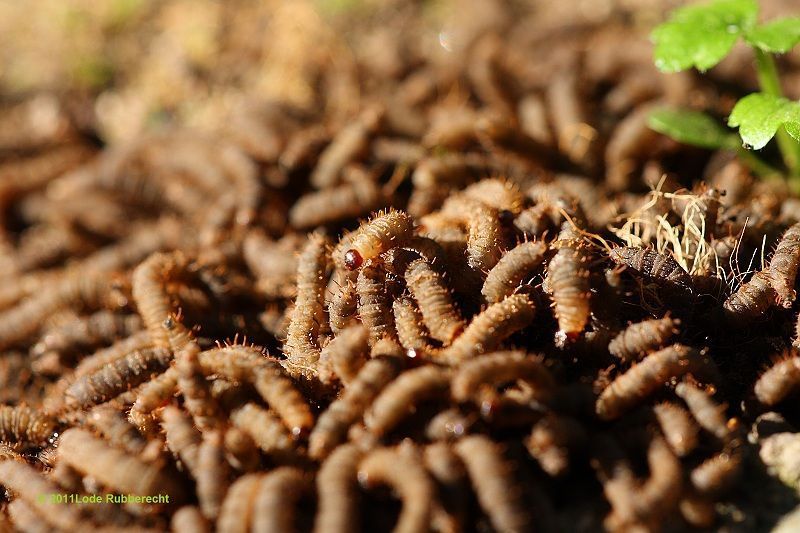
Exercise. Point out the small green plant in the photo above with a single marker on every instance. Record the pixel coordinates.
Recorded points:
(700, 36)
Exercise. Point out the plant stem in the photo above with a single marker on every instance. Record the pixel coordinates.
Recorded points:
(770, 84)
(756, 164)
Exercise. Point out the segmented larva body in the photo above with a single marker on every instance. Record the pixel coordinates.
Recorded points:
(350, 200)
(301, 348)
(435, 300)
(28, 485)
(195, 390)
(274, 263)
(450, 424)
(491, 327)
(497, 368)
(114, 468)
(118, 350)
(152, 300)
(659, 494)
(337, 491)
(121, 374)
(497, 193)
(347, 352)
(189, 518)
(718, 473)
(212, 474)
(708, 413)
(409, 481)
(751, 300)
(342, 307)
(516, 266)
(237, 508)
(485, 239)
(779, 380)
(333, 423)
(653, 265)
(492, 480)
(385, 231)
(784, 263)
(265, 429)
(641, 338)
(115, 428)
(568, 283)
(347, 145)
(644, 378)
(182, 438)
(241, 449)
(100, 327)
(152, 395)
(374, 303)
(402, 396)
(277, 497)
(677, 426)
(552, 439)
(24, 425)
(410, 331)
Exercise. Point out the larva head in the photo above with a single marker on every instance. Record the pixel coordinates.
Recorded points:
(353, 259)
(622, 255)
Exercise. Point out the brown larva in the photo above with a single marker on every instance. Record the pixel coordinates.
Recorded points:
(237, 508)
(698, 511)
(189, 518)
(492, 480)
(497, 193)
(274, 263)
(576, 138)
(24, 518)
(552, 439)
(568, 283)
(718, 473)
(485, 239)
(495, 369)
(115, 428)
(347, 353)
(447, 469)
(153, 394)
(195, 390)
(402, 396)
(342, 306)
(374, 303)
(516, 266)
(751, 300)
(661, 268)
(385, 231)
(28, 485)
(241, 450)
(98, 328)
(301, 348)
(343, 202)
(435, 300)
(491, 327)
(212, 474)
(709, 414)
(118, 350)
(409, 481)
(333, 423)
(677, 426)
(641, 338)
(784, 263)
(303, 147)
(644, 378)
(24, 425)
(265, 429)
(182, 438)
(450, 424)
(659, 494)
(114, 468)
(779, 380)
(337, 491)
(277, 498)
(410, 331)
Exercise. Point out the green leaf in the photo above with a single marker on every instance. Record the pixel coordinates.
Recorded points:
(692, 127)
(777, 37)
(702, 35)
(758, 117)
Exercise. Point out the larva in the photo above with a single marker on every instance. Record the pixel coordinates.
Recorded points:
(410, 331)
(517, 265)
(552, 439)
(661, 268)
(485, 239)
(779, 380)
(98, 328)
(189, 518)
(533, 119)
(707, 413)
(182, 438)
(751, 300)
(491, 327)
(409, 481)
(448, 425)
(568, 283)
(24, 518)
(337, 491)
(301, 348)
(277, 497)
(401, 397)
(342, 306)
(303, 147)
(644, 378)
(439, 313)
(497, 193)
(492, 480)
(677, 426)
(195, 390)
(27, 484)
(24, 425)
(121, 374)
(641, 338)
(698, 511)
(265, 429)
(212, 473)
(784, 263)
(374, 305)
(347, 201)
(718, 473)
(333, 423)
(347, 353)
(242, 451)
(237, 508)
(385, 231)
(152, 395)
(495, 369)
(659, 494)
(115, 428)
(274, 263)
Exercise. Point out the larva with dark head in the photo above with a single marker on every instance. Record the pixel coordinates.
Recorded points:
(410, 331)
(343, 412)
(717, 474)
(495, 369)
(677, 426)
(644, 378)
(435, 300)
(25, 426)
(337, 491)
(661, 268)
(551, 441)
(402, 396)
(784, 263)
(494, 484)
(778, 381)
(301, 347)
(751, 300)
(374, 302)
(189, 518)
(277, 498)
(491, 327)
(347, 201)
(237, 508)
(264, 428)
(28, 485)
(182, 438)
(514, 268)
(409, 481)
(568, 283)
(195, 390)
(708, 413)
(384, 232)
(641, 338)
(212, 474)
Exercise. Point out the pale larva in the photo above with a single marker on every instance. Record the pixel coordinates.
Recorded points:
(435, 300)
(779, 380)
(277, 498)
(708, 413)
(516, 266)
(677, 426)
(498, 368)
(380, 234)
(641, 338)
(568, 283)
(264, 428)
(337, 491)
(212, 474)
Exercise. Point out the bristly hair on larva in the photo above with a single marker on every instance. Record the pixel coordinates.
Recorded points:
(784, 263)
(641, 338)
(383, 232)
(568, 283)
(779, 380)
